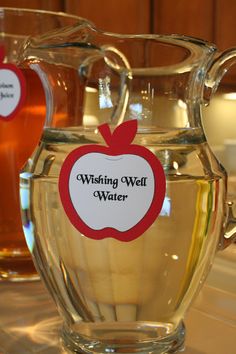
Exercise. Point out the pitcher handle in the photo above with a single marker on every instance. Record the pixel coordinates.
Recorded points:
(112, 56)
(218, 68)
(125, 75)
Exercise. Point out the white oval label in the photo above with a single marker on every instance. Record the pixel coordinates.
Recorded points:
(12, 89)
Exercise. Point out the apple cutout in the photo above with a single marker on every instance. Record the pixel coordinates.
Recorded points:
(12, 89)
(112, 191)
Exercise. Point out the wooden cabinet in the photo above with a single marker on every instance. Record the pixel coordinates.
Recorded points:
(123, 16)
(224, 29)
(211, 20)
(192, 18)
(50, 5)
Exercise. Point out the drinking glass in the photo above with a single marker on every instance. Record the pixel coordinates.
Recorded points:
(123, 200)
(21, 124)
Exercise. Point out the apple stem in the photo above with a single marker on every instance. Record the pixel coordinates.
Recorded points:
(105, 130)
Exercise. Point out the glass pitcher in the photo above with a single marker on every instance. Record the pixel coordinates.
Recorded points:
(124, 203)
(22, 113)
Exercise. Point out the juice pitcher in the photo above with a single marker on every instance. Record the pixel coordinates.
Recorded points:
(123, 203)
(22, 114)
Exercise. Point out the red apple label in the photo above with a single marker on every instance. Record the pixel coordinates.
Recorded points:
(112, 191)
(12, 89)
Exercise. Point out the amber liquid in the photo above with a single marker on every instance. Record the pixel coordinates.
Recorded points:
(18, 139)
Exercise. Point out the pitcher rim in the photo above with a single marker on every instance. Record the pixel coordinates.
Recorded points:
(47, 12)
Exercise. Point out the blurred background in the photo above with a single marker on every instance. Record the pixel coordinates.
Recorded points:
(211, 20)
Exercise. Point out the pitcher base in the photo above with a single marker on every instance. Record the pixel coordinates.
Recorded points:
(118, 341)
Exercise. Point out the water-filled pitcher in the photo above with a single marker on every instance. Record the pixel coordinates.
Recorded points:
(124, 204)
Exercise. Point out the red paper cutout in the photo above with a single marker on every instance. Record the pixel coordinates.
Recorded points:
(119, 145)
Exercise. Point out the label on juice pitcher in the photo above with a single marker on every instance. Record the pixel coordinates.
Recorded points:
(112, 191)
(12, 89)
